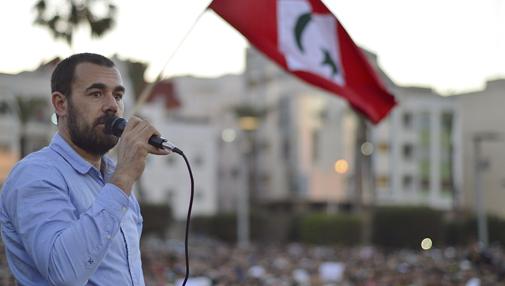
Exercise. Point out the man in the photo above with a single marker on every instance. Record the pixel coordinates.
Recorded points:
(67, 213)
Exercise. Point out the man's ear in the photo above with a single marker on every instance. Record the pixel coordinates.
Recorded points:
(60, 103)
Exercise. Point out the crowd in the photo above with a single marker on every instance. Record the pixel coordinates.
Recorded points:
(216, 263)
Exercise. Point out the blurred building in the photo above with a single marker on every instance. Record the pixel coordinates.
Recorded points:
(30, 99)
(416, 151)
(483, 120)
(308, 131)
(300, 139)
(300, 150)
(197, 115)
(24, 116)
(9, 134)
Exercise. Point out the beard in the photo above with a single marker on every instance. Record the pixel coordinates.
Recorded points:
(88, 137)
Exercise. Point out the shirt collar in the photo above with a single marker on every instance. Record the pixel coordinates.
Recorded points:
(60, 146)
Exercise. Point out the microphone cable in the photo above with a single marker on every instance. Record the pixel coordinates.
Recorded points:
(186, 251)
(115, 126)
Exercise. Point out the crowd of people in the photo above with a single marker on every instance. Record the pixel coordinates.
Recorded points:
(217, 263)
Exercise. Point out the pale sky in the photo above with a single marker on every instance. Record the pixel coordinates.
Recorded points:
(449, 45)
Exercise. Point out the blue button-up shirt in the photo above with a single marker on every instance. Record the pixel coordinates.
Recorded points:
(63, 224)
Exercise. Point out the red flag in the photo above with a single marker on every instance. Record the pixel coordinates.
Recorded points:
(305, 39)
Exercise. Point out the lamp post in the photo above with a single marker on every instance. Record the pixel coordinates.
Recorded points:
(248, 124)
(480, 165)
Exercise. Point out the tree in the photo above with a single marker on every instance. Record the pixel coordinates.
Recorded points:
(28, 109)
(63, 20)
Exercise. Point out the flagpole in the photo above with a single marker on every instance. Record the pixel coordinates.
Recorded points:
(147, 90)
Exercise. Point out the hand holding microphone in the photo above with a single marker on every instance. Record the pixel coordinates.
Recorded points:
(137, 140)
(116, 125)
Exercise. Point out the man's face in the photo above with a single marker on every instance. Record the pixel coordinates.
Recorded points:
(97, 93)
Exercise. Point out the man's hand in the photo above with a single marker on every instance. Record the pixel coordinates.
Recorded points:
(132, 150)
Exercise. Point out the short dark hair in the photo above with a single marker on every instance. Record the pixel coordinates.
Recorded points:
(63, 74)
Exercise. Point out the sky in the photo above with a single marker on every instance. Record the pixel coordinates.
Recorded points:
(452, 46)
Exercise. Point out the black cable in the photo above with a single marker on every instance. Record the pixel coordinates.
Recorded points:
(186, 252)
(115, 125)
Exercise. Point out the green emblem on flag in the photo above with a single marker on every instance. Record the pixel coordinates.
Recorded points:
(301, 23)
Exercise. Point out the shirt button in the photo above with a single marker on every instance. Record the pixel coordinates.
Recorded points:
(124, 208)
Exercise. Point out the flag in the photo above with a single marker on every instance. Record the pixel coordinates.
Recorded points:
(307, 40)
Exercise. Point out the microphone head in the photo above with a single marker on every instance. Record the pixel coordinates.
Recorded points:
(115, 126)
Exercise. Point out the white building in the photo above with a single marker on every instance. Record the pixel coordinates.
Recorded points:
(166, 179)
(302, 132)
(197, 127)
(416, 150)
(308, 130)
(9, 134)
(482, 116)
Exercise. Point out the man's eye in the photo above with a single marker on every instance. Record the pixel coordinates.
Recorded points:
(118, 96)
(96, 93)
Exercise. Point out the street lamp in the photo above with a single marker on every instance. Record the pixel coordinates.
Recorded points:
(248, 124)
(341, 166)
(249, 118)
(480, 165)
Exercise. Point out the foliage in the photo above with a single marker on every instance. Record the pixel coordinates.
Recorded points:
(136, 72)
(463, 231)
(220, 226)
(31, 109)
(264, 226)
(320, 228)
(392, 227)
(63, 20)
(157, 219)
(396, 227)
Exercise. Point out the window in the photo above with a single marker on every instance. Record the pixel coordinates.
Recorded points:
(265, 178)
(446, 160)
(424, 150)
(4, 108)
(425, 184)
(407, 120)
(234, 173)
(407, 182)
(382, 181)
(383, 147)
(285, 149)
(408, 151)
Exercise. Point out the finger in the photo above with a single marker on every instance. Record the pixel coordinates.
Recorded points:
(144, 131)
(158, 151)
(133, 123)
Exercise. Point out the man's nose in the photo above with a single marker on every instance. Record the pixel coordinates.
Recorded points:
(110, 104)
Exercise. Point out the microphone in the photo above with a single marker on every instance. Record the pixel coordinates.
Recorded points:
(115, 126)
